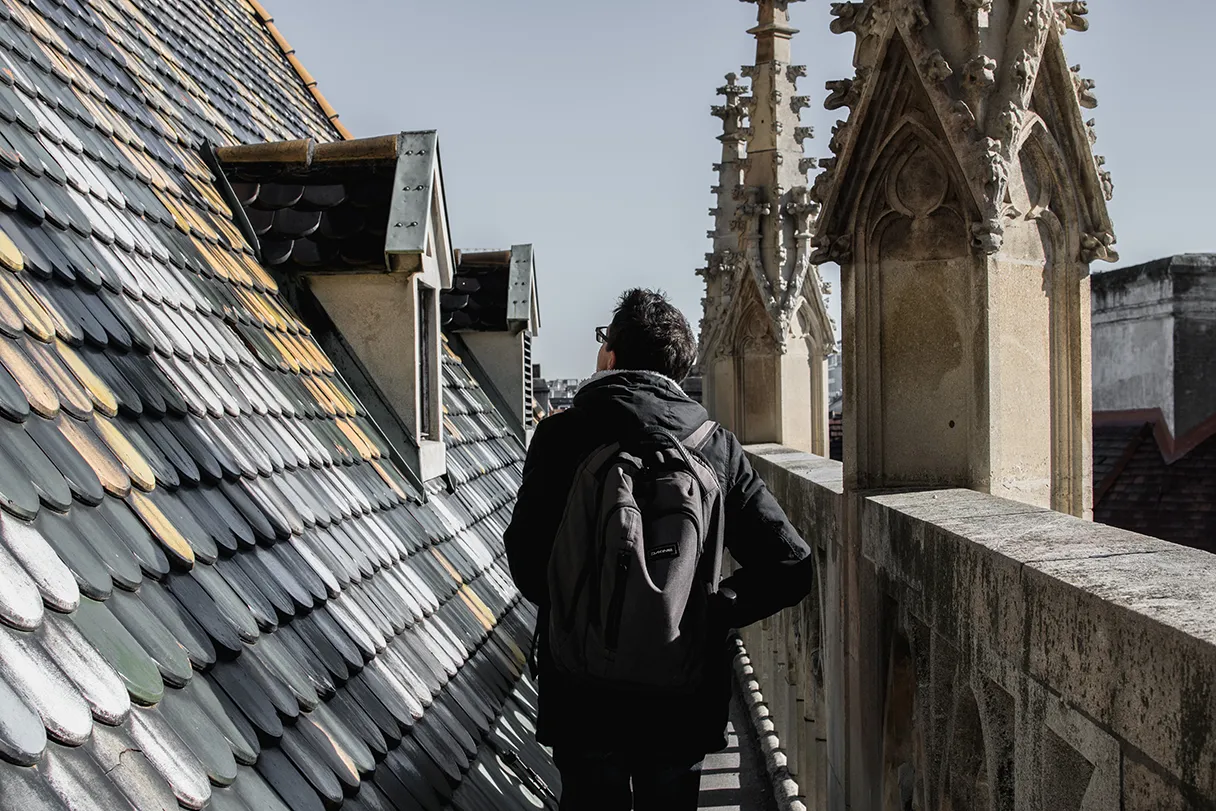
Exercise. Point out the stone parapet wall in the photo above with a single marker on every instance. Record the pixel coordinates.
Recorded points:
(967, 651)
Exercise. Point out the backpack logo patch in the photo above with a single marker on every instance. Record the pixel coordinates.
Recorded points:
(670, 550)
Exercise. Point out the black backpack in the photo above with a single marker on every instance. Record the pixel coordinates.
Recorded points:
(635, 561)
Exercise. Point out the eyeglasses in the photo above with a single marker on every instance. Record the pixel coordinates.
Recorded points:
(601, 334)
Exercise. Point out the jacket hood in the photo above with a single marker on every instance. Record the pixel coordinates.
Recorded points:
(630, 400)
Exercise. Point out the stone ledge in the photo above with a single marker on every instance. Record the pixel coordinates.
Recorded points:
(1120, 627)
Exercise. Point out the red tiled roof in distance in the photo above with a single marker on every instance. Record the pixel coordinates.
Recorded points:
(1147, 481)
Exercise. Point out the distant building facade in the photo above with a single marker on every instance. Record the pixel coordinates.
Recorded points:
(1154, 371)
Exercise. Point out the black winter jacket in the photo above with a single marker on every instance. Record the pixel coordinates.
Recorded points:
(775, 565)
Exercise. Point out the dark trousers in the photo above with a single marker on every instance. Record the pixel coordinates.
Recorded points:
(620, 781)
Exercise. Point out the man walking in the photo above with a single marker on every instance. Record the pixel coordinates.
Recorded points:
(628, 500)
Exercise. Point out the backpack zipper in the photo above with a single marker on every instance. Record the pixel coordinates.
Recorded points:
(616, 606)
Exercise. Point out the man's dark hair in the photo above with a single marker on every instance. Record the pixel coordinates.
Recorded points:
(648, 333)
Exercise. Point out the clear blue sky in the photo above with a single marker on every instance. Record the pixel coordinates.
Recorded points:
(584, 127)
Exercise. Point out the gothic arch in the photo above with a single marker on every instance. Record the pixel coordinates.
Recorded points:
(911, 266)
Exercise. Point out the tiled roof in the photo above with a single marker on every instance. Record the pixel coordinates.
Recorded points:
(491, 291)
(477, 438)
(478, 297)
(1146, 483)
(215, 588)
(328, 206)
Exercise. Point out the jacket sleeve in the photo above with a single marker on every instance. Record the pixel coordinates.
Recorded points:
(537, 513)
(776, 567)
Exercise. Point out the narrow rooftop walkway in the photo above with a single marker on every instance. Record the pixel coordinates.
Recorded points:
(734, 779)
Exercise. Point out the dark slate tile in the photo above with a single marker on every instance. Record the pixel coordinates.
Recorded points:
(247, 588)
(110, 549)
(153, 636)
(387, 723)
(287, 782)
(177, 511)
(254, 569)
(120, 649)
(183, 627)
(162, 468)
(241, 739)
(287, 577)
(338, 666)
(202, 736)
(312, 766)
(282, 666)
(80, 478)
(92, 577)
(309, 664)
(257, 794)
(426, 792)
(199, 605)
(248, 694)
(252, 514)
(397, 793)
(128, 528)
(171, 447)
(227, 602)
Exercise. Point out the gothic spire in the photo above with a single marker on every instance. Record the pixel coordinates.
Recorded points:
(766, 331)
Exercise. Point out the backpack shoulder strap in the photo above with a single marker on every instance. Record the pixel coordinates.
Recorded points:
(699, 437)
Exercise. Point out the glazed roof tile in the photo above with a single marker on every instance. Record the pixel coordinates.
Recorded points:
(216, 588)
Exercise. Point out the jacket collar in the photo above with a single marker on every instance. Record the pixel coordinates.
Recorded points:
(608, 373)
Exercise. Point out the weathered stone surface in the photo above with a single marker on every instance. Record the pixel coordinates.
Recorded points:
(1076, 648)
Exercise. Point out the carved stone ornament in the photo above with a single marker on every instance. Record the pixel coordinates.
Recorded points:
(847, 17)
(1105, 178)
(1073, 14)
(1025, 69)
(937, 69)
(832, 249)
(840, 133)
(1098, 246)
(988, 236)
(1085, 89)
(982, 80)
(980, 72)
(962, 117)
(915, 15)
(842, 93)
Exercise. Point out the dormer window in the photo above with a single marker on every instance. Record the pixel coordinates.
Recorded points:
(492, 312)
(357, 234)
